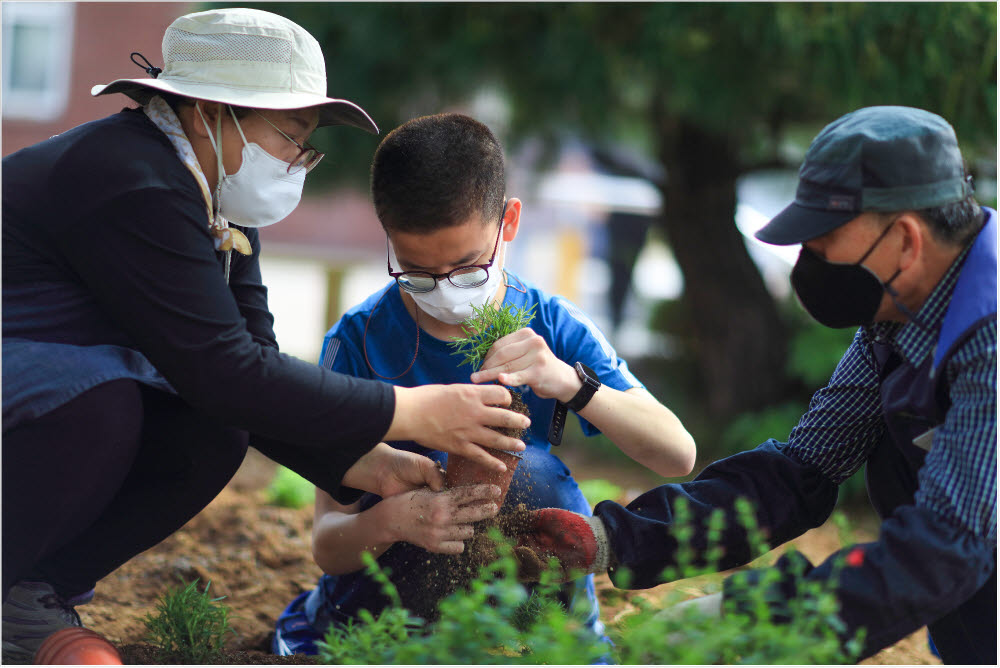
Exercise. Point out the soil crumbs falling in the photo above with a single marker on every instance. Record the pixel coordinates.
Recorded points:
(259, 558)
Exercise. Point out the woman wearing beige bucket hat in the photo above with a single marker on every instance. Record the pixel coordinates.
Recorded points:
(138, 353)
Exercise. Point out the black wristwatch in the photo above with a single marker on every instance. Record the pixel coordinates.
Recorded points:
(579, 400)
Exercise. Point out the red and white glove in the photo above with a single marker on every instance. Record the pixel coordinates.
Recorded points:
(579, 543)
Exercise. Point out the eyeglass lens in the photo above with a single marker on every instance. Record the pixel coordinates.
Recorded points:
(307, 159)
(463, 277)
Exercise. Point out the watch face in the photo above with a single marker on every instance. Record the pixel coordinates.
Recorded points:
(587, 375)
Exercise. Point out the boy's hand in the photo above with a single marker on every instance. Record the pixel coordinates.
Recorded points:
(579, 543)
(437, 521)
(524, 358)
(386, 471)
(457, 419)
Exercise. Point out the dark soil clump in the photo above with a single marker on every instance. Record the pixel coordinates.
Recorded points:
(447, 574)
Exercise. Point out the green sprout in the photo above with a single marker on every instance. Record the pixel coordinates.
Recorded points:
(484, 327)
(289, 490)
(188, 625)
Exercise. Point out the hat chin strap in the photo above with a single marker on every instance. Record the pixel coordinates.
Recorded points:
(220, 168)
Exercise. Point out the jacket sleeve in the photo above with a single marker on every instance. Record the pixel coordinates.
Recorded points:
(792, 486)
(149, 262)
(788, 497)
(929, 557)
(921, 567)
(933, 555)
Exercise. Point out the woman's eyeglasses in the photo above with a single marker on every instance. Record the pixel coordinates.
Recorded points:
(308, 156)
(469, 276)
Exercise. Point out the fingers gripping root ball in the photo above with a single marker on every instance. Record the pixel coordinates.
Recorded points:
(579, 543)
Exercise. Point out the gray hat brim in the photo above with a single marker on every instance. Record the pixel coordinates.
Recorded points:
(797, 224)
(331, 111)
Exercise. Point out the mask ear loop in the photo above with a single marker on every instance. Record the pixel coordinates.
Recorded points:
(238, 126)
(876, 243)
(893, 294)
(887, 285)
(364, 339)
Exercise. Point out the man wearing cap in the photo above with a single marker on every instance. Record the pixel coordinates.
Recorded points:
(893, 242)
(138, 351)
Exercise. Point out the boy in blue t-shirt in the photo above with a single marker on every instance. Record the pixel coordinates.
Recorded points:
(438, 189)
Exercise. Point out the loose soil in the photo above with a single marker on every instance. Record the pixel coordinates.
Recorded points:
(259, 558)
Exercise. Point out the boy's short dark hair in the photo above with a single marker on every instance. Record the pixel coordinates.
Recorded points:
(437, 171)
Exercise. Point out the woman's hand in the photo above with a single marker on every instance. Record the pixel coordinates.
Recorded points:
(524, 358)
(386, 471)
(436, 521)
(457, 419)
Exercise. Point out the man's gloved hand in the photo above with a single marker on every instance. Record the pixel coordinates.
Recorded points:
(579, 543)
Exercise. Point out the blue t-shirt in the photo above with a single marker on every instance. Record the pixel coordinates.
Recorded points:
(381, 333)
(382, 328)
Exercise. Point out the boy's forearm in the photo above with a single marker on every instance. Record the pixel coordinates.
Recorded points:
(643, 428)
(340, 538)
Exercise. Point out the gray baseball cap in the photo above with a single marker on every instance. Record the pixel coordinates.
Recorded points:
(873, 159)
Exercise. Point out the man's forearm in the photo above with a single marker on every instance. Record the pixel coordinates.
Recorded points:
(788, 498)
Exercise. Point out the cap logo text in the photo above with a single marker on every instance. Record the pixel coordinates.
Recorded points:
(840, 203)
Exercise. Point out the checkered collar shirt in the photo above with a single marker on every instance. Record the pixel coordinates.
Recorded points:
(915, 340)
(844, 422)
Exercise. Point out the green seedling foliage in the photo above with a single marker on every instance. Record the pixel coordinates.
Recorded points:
(598, 490)
(493, 621)
(289, 490)
(496, 620)
(188, 627)
(748, 631)
(484, 327)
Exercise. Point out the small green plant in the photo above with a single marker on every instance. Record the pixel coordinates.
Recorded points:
(289, 490)
(188, 627)
(495, 620)
(598, 489)
(484, 327)
(758, 626)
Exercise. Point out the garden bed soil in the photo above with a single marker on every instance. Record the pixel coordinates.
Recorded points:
(259, 557)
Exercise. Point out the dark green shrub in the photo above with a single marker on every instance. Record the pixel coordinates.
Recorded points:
(188, 627)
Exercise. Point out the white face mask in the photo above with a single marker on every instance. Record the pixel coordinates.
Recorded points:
(450, 304)
(262, 192)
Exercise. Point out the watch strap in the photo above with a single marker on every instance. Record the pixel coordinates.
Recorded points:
(579, 400)
(558, 423)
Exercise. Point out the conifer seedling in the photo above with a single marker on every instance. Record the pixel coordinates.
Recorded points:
(485, 327)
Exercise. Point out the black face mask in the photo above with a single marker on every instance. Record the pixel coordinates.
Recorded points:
(839, 295)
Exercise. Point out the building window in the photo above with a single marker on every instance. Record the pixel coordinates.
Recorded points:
(37, 58)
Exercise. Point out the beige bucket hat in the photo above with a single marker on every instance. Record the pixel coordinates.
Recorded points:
(245, 57)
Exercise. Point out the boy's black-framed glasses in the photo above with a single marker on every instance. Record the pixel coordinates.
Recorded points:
(468, 276)
(308, 156)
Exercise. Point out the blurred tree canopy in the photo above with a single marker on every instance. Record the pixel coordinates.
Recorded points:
(709, 90)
